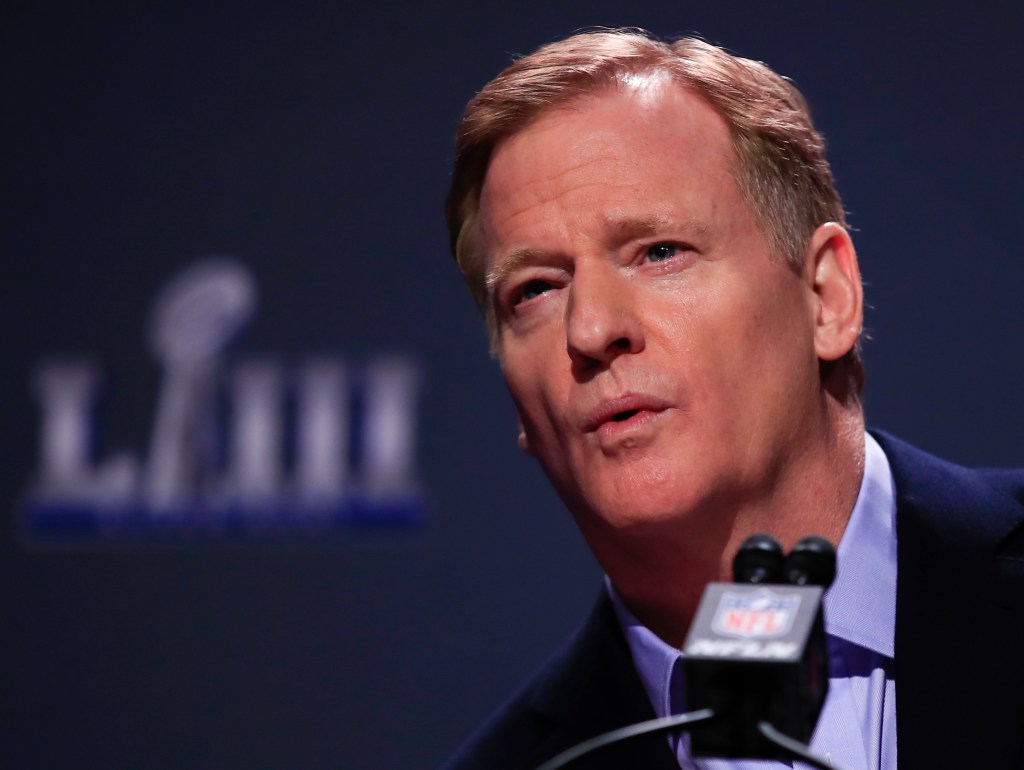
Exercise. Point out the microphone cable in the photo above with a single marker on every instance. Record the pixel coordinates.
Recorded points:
(661, 725)
(666, 724)
(795, 748)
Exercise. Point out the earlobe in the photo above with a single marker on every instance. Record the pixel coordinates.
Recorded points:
(524, 442)
(835, 280)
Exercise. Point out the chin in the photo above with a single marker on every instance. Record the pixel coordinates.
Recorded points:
(643, 509)
(647, 494)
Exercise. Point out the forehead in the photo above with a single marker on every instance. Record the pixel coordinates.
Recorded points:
(643, 137)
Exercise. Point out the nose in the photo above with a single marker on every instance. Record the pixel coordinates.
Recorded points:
(602, 320)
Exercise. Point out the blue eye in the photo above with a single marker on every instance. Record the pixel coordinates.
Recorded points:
(533, 289)
(659, 252)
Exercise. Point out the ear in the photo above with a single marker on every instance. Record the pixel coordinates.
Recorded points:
(831, 269)
(524, 442)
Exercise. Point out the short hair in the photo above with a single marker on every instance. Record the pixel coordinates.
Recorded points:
(781, 170)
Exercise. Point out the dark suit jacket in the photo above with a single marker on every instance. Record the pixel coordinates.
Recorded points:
(959, 643)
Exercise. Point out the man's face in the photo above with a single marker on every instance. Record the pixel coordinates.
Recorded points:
(662, 361)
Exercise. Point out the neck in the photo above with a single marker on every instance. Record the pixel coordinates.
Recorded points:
(661, 575)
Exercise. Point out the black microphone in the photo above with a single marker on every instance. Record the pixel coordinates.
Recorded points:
(811, 562)
(758, 560)
(756, 662)
(756, 651)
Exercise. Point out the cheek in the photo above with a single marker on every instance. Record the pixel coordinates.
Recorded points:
(778, 361)
(705, 332)
(764, 308)
(738, 342)
(533, 388)
(533, 359)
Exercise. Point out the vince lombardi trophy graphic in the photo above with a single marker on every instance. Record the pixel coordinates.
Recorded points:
(192, 321)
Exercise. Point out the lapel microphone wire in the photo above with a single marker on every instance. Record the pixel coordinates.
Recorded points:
(666, 724)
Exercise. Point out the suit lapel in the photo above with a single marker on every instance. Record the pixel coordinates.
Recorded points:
(959, 625)
(596, 689)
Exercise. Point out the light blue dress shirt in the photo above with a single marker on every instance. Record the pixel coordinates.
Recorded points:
(857, 727)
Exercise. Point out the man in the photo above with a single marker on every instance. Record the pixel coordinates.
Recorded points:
(653, 234)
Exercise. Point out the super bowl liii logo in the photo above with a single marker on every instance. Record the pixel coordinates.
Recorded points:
(216, 461)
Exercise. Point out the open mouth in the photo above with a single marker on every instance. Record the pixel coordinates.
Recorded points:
(624, 413)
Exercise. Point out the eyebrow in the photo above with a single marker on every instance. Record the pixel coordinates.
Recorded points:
(628, 228)
(508, 264)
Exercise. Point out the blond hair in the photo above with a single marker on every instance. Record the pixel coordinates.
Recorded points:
(781, 169)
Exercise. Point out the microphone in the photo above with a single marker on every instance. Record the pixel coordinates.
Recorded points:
(756, 651)
(811, 562)
(756, 660)
(759, 560)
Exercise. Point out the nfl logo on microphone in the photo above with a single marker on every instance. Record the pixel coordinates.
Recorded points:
(763, 614)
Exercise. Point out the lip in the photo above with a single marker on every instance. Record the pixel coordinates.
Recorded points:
(623, 412)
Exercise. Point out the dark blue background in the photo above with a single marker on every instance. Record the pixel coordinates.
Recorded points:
(313, 142)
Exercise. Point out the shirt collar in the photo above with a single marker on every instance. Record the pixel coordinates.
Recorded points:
(860, 607)
(653, 658)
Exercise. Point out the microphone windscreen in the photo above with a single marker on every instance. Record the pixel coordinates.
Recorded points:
(811, 562)
(758, 560)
